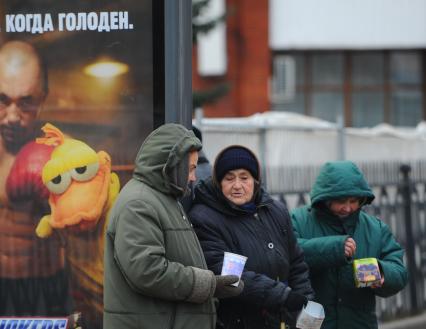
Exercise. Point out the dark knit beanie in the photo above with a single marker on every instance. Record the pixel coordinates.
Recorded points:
(236, 157)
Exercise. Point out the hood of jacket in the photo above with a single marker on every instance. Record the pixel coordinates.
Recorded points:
(340, 179)
(163, 159)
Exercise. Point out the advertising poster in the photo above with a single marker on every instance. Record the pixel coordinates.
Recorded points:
(82, 71)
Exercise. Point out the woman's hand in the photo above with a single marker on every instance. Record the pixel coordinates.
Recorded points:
(350, 247)
(295, 302)
(379, 284)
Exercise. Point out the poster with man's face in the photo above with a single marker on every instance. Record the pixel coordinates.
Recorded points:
(99, 60)
(86, 69)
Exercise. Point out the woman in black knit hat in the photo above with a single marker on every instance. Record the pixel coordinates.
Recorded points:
(233, 213)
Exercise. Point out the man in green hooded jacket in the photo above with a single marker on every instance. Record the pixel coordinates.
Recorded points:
(333, 231)
(155, 273)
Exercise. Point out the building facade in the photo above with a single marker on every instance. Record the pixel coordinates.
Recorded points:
(363, 62)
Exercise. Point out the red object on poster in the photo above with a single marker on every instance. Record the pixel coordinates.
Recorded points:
(24, 180)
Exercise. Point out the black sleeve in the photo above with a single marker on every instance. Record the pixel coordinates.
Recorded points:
(262, 291)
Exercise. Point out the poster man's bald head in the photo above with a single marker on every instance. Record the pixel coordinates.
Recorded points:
(17, 57)
(23, 88)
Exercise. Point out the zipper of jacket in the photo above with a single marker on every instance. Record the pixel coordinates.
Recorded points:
(182, 212)
(275, 249)
(193, 232)
(173, 317)
(213, 308)
(257, 217)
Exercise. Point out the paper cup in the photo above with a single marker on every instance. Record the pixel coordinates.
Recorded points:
(311, 316)
(233, 264)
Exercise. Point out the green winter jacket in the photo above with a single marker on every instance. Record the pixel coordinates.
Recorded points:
(155, 272)
(322, 236)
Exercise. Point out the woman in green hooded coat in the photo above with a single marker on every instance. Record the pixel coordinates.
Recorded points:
(333, 231)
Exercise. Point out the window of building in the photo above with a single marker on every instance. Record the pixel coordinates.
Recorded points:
(363, 87)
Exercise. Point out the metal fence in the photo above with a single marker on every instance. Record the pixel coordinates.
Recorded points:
(400, 202)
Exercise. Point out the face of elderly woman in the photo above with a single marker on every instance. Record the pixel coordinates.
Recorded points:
(238, 186)
(345, 206)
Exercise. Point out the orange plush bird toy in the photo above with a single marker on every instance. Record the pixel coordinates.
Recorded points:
(81, 185)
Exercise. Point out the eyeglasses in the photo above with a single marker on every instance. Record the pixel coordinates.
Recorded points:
(26, 104)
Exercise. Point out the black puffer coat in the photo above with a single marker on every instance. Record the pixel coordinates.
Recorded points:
(275, 263)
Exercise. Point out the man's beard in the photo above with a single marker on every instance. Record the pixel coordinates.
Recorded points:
(14, 137)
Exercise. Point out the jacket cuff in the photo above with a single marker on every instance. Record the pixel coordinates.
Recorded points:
(203, 287)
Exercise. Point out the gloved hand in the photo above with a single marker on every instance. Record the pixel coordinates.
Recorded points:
(24, 181)
(224, 288)
(295, 301)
